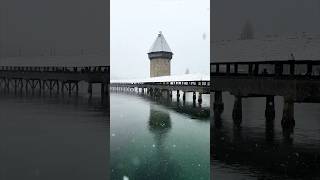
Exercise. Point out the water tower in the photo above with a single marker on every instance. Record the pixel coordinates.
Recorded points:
(160, 56)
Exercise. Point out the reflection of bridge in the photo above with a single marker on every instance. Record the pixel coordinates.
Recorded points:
(163, 86)
(53, 78)
(259, 152)
(296, 81)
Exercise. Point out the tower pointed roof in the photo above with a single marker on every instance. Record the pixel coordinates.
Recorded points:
(160, 45)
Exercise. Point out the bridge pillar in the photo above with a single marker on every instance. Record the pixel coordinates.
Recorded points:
(62, 87)
(21, 85)
(155, 92)
(69, 89)
(77, 88)
(169, 95)
(178, 95)
(27, 82)
(58, 86)
(269, 111)
(184, 96)
(50, 87)
(40, 87)
(288, 121)
(7, 85)
(237, 110)
(200, 98)
(218, 105)
(15, 86)
(103, 90)
(90, 89)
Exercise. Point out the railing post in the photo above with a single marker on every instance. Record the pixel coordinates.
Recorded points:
(278, 69)
(228, 68)
(256, 69)
(250, 69)
(217, 68)
(309, 69)
(292, 67)
(236, 68)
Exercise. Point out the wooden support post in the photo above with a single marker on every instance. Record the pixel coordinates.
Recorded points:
(50, 87)
(21, 85)
(218, 105)
(184, 96)
(70, 88)
(288, 121)
(250, 69)
(77, 88)
(27, 84)
(228, 69)
(15, 86)
(237, 110)
(58, 86)
(178, 95)
(8, 84)
(40, 86)
(292, 67)
(309, 69)
(62, 87)
(200, 98)
(236, 68)
(90, 89)
(102, 90)
(269, 111)
(194, 97)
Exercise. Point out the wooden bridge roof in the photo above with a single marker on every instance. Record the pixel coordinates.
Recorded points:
(303, 46)
(86, 60)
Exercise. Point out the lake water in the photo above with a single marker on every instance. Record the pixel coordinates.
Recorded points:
(157, 140)
(44, 137)
(260, 151)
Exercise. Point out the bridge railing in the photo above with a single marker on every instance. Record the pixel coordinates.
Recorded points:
(171, 83)
(56, 69)
(289, 68)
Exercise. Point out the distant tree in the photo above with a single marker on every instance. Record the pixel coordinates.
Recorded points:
(247, 31)
(187, 71)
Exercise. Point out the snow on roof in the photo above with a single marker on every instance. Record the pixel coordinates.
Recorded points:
(172, 78)
(303, 46)
(160, 44)
(85, 60)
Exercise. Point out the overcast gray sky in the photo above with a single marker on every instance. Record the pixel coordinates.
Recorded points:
(35, 26)
(134, 27)
(267, 16)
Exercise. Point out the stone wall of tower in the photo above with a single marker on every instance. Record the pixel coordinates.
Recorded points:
(160, 67)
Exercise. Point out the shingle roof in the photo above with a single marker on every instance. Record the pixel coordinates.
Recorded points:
(160, 45)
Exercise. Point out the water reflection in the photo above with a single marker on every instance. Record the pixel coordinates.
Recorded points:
(185, 107)
(160, 166)
(151, 141)
(258, 149)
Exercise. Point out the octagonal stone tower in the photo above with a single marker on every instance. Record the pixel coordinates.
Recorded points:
(160, 56)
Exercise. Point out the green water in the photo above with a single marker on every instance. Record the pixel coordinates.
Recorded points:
(153, 141)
